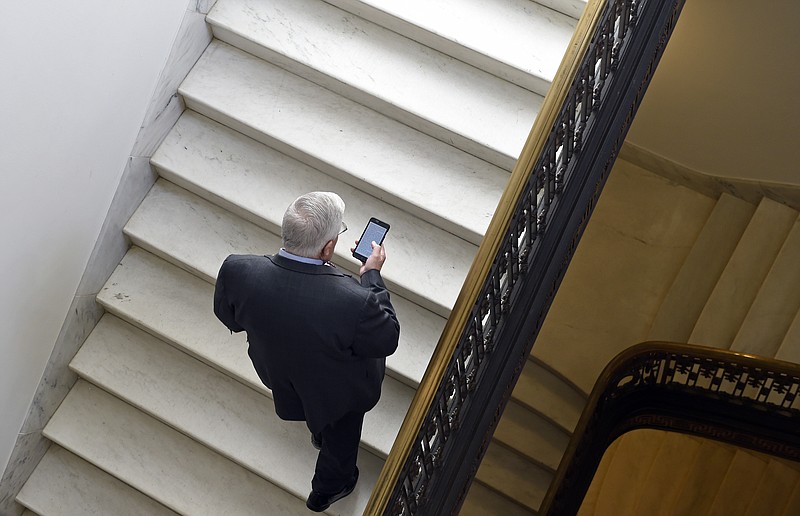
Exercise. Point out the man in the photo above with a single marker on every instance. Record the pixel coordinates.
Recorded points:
(317, 338)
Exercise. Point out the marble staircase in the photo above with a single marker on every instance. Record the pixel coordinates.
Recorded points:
(681, 268)
(663, 473)
(414, 113)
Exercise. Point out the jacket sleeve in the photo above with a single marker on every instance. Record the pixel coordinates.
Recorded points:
(378, 330)
(224, 307)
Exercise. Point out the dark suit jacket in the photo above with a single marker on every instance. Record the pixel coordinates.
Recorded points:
(316, 337)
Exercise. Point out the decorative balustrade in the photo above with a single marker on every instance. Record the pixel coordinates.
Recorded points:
(717, 394)
(535, 230)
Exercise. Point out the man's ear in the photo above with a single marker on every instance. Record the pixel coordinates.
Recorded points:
(327, 251)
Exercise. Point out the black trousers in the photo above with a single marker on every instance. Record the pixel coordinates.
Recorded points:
(336, 462)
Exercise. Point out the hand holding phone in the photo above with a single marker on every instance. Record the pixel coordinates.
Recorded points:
(374, 232)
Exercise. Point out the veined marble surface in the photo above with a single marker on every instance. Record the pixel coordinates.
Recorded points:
(346, 140)
(776, 304)
(509, 473)
(212, 408)
(701, 270)
(257, 183)
(142, 452)
(622, 269)
(447, 98)
(518, 40)
(790, 346)
(175, 307)
(66, 484)
(729, 302)
(165, 106)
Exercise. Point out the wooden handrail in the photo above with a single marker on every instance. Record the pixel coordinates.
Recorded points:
(488, 250)
(744, 400)
(523, 257)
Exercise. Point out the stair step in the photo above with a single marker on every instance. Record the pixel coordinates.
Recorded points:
(793, 505)
(531, 435)
(738, 487)
(704, 478)
(481, 500)
(548, 395)
(630, 464)
(160, 462)
(666, 477)
(572, 8)
(210, 407)
(790, 346)
(203, 250)
(63, 483)
(776, 304)
(257, 183)
(406, 168)
(701, 270)
(414, 84)
(775, 489)
(588, 506)
(176, 307)
(519, 40)
(514, 476)
(621, 271)
(736, 289)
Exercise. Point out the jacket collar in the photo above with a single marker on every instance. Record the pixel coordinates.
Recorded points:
(305, 268)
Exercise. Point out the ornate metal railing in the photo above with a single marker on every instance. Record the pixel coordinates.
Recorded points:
(744, 400)
(522, 259)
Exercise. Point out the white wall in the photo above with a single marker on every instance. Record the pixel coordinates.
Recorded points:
(75, 82)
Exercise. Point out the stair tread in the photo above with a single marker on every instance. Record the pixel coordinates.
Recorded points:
(572, 8)
(175, 307)
(531, 435)
(701, 270)
(704, 478)
(588, 506)
(775, 489)
(738, 487)
(790, 346)
(482, 113)
(661, 482)
(481, 500)
(632, 460)
(256, 183)
(776, 304)
(793, 505)
(622, 269)
(744, 273)
(514, 476)
(548, 395)
(518, 40)
(410, 170)
(206, 405)
(63, 483)
(160, 462)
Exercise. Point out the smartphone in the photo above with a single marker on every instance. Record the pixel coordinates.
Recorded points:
(374, 232)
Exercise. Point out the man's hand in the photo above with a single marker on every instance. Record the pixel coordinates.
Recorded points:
(375, 260)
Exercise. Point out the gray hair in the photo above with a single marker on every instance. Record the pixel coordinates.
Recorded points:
(310, 222)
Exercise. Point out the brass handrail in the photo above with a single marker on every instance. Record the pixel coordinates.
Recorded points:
(741, 399)
(488, 250)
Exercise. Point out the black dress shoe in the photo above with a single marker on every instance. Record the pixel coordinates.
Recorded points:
(318, 502)
(316, 442)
